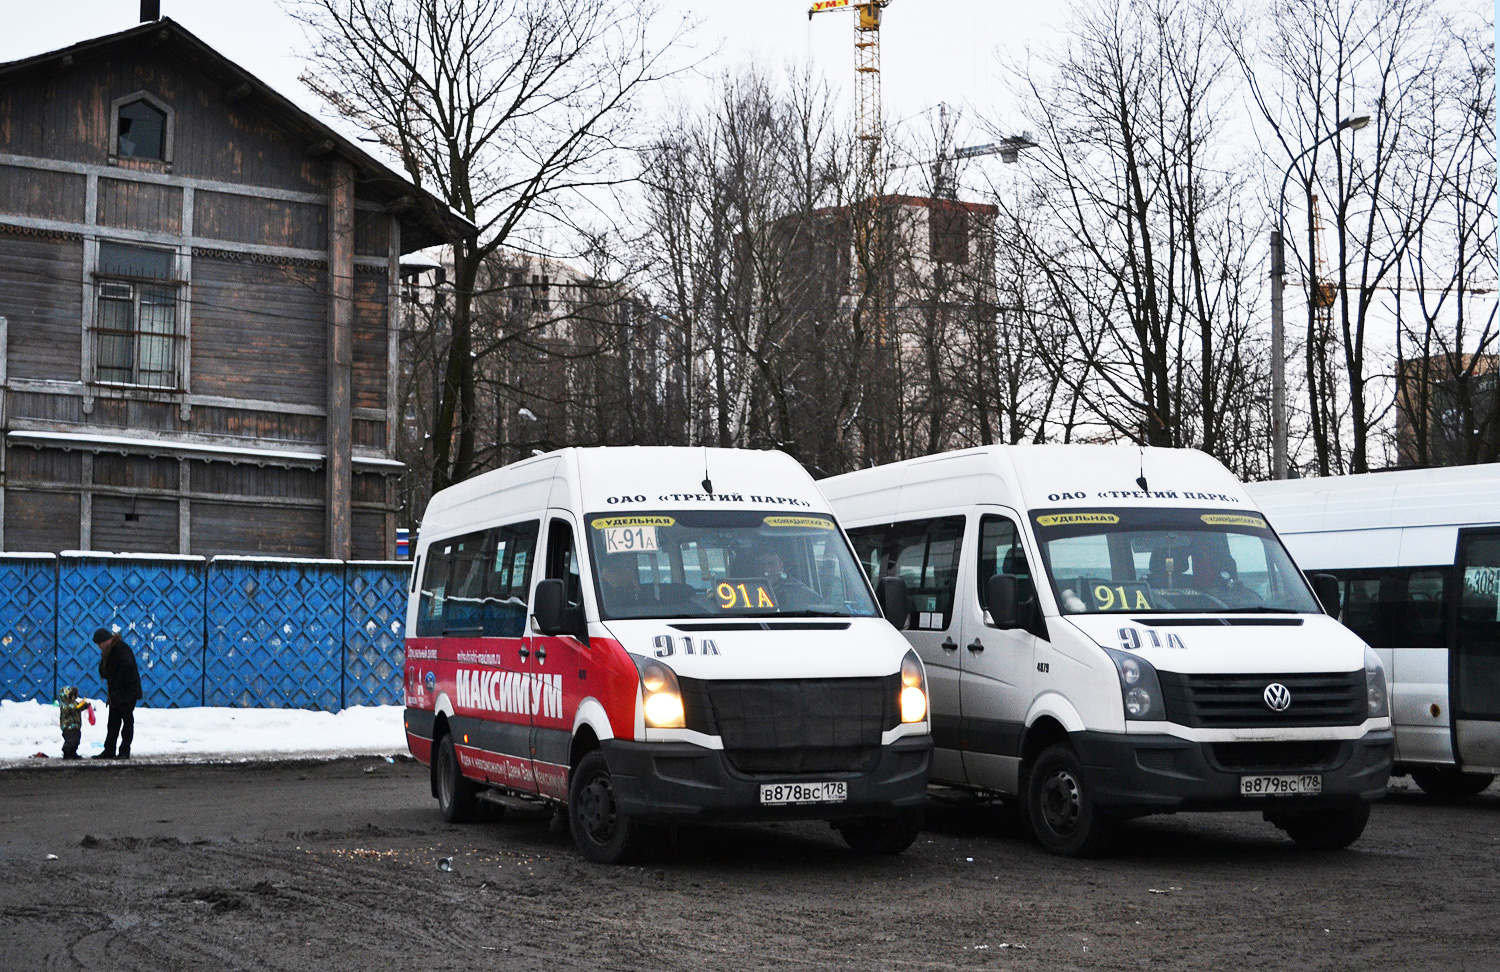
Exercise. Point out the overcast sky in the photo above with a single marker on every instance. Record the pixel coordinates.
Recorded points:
(932, 50)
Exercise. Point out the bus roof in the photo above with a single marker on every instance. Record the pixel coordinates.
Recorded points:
(1450, 496)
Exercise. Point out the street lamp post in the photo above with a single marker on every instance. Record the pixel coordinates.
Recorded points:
(1278, 278)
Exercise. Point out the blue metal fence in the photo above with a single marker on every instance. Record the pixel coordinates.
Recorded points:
(28, 626)
(375, 619)
(275, 634)
(229, 632)
(155, 603)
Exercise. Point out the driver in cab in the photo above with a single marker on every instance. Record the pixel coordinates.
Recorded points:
(619, 578)
(791, 594)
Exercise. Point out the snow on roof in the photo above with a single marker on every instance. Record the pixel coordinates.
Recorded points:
(141, 442)
(420, 260)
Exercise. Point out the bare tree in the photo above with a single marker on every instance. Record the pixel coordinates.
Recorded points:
(1132, 233)
(506, 110)
(1310, 63)
(747, 223)
(1446, 375)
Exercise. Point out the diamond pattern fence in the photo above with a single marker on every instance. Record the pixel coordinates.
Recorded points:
(275, 635)
(28, 626)
(231, 632)
(154, 603)
(375, 615)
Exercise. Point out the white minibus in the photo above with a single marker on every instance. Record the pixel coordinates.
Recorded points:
(1417, 557)
(642, 636)
(1112, 631)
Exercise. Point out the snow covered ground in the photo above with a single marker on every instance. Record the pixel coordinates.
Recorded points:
(211, 734)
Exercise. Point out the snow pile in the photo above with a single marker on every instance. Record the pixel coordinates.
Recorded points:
(208, 733)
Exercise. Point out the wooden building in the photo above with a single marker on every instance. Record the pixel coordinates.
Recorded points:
(198, 309)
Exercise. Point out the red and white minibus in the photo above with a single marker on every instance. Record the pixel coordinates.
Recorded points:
(651, 635)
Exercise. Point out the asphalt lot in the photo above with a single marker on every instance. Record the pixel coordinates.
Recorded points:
(335, 865)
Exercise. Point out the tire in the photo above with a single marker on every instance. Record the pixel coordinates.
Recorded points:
(603, 833)
(1060, 808)
(1451, 784)
(876, 836)
(457, 795)
(1333, 828)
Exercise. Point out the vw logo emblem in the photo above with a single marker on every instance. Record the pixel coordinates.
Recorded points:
(1278, 697)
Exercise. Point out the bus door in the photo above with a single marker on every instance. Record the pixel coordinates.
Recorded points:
(925, 554)
(551, 659)
(999, 665)
(1476, 652)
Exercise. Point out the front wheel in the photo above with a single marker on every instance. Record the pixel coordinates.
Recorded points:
(875, 836)
(457, 796)
(603, 832)
(1451, 784)
(1333, 828)
(1060, 807)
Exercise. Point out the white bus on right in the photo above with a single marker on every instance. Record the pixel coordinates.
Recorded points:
(1417, 556)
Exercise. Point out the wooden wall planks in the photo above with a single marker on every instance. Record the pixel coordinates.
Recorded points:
(127, 204)
(222, 528)
(41, 291)
(42, 194)
(65, 115)
(269, 222)
(259, 331)
(130, 524)
(40, 521)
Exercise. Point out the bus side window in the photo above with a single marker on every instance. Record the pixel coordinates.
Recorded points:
(434, 590)
(1422, 615)
(869, 549)
(464, 607)
(511, 552)
(1366, 607)
(925, 554)
(562, 560)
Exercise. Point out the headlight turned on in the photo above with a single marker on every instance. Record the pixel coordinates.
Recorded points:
(1377, 699)
(913, 689)
(662, 698)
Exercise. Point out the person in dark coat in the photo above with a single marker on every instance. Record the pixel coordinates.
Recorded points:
(122, 683)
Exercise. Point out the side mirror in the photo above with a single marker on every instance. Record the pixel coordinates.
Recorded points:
(1326, 586)
(1000, 599)
(891, 594)
(548, 606)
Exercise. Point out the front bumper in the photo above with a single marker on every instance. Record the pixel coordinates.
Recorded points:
(1139, 774)
(681, 781)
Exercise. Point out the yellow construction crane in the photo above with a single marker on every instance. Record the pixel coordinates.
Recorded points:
(867, 73)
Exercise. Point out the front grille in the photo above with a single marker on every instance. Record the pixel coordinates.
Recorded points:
(1276, 755)
(780, 726)
(1237, 701)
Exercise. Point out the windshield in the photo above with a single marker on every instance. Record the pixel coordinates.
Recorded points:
(718, 563)
(1167, 560)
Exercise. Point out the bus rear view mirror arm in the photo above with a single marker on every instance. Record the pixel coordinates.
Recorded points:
(892, 597)
(1326, 586)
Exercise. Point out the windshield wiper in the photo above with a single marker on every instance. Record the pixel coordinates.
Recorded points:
(1258, 610)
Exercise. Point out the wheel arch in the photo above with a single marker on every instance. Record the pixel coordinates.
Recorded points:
(1046, 731)
(590, 727)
